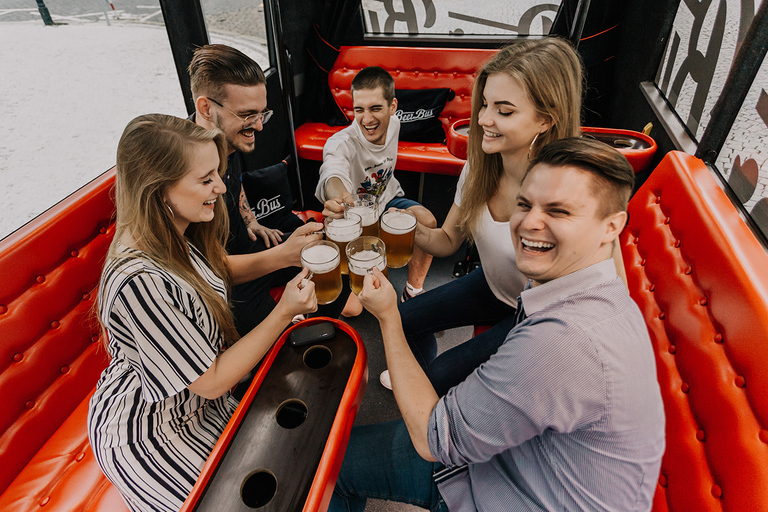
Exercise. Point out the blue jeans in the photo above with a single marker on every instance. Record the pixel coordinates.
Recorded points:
(381, 463)
(464, 301)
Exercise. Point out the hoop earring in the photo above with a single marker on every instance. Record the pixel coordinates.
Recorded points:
(170, 210)
(531, 146)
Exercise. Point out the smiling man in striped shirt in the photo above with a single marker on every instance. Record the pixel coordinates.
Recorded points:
(567, 415)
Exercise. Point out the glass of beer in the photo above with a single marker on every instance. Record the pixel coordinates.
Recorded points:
(363, 254)
(341, 231)
(398, 228)
(322, 258)
(366, 206)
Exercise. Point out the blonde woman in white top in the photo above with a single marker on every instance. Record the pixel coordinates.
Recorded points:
(527, 95)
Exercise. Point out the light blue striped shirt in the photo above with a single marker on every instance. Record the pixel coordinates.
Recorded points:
(567, 415)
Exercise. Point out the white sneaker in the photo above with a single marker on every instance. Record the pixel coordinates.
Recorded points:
(385, 380)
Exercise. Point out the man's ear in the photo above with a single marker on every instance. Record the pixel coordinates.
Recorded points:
(393, 107)
(203, 107)
(614, 224)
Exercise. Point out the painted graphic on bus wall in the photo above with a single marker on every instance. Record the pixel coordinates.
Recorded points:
(410, 17)
(699, 54)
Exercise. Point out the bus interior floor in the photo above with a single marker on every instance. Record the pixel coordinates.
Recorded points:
(378, 402)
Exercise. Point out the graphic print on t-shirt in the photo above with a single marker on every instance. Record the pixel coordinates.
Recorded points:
(376, 177)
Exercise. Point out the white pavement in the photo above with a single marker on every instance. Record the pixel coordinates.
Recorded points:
(66, 94)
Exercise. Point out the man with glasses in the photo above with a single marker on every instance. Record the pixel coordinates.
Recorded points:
(230, 94)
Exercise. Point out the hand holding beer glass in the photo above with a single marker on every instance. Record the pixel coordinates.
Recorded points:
(341, 231)
(323, 259)
(367, 207)
(363, 254)
(398, 228)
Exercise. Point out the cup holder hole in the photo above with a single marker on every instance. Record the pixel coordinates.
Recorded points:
(258, 488)
(317, 357)
(623, 143)
(291, 413)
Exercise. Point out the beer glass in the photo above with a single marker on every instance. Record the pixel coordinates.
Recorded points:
(341, 231)
(322, 259)
(363, 254)
(366, 206)
(398, 228)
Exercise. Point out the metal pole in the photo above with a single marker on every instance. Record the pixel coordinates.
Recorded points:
(186, 29)
(274, 23)
(44, 13)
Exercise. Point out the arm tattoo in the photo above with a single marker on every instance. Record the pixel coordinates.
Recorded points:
(245, 208)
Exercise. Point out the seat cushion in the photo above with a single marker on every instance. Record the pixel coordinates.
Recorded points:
(63, 475)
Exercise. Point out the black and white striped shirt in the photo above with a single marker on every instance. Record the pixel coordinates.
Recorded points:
(149, 433)
(567, 415)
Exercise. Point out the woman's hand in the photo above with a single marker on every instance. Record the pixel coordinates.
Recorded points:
(299, 295)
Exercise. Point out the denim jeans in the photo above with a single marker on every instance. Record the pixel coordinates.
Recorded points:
(464, 301)
(381, 463)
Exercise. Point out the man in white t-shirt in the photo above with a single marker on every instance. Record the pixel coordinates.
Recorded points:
(361, 159)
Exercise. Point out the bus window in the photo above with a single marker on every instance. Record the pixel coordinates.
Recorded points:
(458, 17)
(743, 161)
(699, 54)
(240, 24)
(68, 92)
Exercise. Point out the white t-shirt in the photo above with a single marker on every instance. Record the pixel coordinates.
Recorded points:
(497, 252)
(362, 166)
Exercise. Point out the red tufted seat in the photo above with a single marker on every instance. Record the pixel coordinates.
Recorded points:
(427, 68)
(51, 357)
(699, 276)
(412, 68)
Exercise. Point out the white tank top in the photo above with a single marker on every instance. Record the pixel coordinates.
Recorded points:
(497, 252)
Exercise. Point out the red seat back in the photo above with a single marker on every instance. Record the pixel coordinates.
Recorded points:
(699, 276)
(50, 354)
(412, 68)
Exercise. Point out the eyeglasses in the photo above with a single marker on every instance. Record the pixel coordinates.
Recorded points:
(264, 115)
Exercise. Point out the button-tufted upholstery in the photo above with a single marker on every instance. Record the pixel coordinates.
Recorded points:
(428, 68)
(700, 278)
(412, 68)
(51, 355)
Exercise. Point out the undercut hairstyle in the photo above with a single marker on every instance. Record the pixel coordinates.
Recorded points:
(374, 77)
(215, 65)
(613, 176)
(154, 153)
(550, 71)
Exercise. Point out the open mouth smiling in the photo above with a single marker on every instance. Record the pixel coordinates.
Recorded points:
(536, 246)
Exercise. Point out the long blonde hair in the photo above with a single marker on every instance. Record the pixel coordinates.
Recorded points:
(550, 72)
(152, 155)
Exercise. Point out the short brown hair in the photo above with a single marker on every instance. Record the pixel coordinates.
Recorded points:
(614, 177)
(374, 77)
(215, 65)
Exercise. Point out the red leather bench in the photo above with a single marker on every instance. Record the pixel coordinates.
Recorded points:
(412, 68)
(699, 276)
(427, 68)
(51, 356)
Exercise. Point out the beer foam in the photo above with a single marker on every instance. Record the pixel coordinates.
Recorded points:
(397, 223)
(320, 258)
(363, 260)
(342, 230)
(368, 215)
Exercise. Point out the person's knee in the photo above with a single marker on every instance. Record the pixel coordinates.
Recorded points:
(424, 216)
